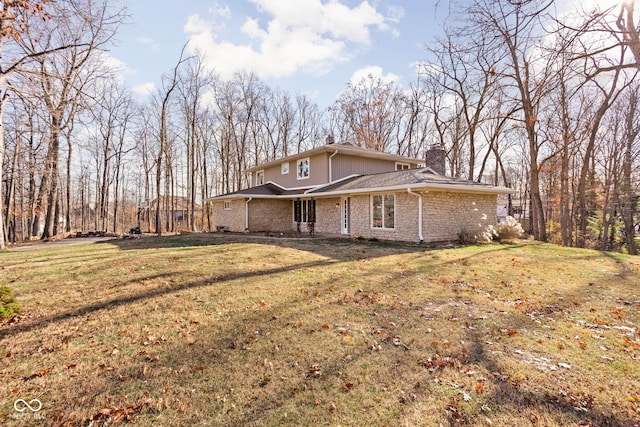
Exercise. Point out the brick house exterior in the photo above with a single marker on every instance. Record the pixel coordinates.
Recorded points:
(340, 189)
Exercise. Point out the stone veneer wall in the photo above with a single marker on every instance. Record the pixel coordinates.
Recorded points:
(270, 215)
(328, 217)
(264, 215)
(445, 215)
(406, 219)
(233, 219)
(448, 214)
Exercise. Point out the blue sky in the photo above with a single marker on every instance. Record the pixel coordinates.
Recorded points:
(314, 47)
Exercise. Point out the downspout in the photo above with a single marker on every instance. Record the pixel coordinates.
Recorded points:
(246, 214)
(331, 166)
(420, 235)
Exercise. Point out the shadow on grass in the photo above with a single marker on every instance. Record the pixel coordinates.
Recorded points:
(264, 395)
(342, 249)
(508, 394)
(10, 330)
(216, 350)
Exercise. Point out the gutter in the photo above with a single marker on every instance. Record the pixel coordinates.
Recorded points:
(420, 234)
(453, 188)
(331, 166)
(246, 214)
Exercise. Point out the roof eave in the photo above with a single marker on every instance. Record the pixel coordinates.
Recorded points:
(462, 188)
(455, 188)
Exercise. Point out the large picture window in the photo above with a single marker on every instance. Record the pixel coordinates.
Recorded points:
(383, 211)
(303, 168)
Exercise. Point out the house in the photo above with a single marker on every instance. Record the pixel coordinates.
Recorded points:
(357, 192)
(174, 211)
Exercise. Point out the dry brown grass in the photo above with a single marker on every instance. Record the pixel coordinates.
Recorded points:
(225, 330)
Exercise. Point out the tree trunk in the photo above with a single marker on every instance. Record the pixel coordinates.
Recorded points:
(584, 210)
(67, 226)
(3, 98)
(52, 174)
(10, 219)
(630, 199)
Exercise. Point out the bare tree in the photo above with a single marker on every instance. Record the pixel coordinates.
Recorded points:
(113, 116)
(515, 30)
(609, 92)
(163, 99)
(467, 69)
(631, 151)
(14, 22)
(370, 109)
(308, 124)
(83, 27)
(193, 85)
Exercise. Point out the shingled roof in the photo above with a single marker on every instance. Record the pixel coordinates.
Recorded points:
(412, 178)
(415, 179)
(266, 190)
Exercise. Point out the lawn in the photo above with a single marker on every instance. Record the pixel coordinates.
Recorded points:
(228, 330)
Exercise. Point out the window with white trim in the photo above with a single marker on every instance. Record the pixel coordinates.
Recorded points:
(227, 205)
(259, 177)
(402, 166)
(383, 211)
(284, 168)
(304, 210)
(302, 168)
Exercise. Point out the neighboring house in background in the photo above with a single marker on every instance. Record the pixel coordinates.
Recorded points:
(519, 208)
(352, 191)
(177, 207)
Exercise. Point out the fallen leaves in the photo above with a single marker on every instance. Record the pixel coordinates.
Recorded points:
(314, 371)
(346, 387)
(36, 374)
(115, 414)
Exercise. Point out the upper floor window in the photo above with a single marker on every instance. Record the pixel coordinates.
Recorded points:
(303, 169)
(402, 166)
(383, 211)
(259, 177)
(227, 205)
(284, 168)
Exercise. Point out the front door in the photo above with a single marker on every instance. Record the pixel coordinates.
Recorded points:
(345, 202)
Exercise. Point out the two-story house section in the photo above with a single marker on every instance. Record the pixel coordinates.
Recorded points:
(328, 164)
(353, 191)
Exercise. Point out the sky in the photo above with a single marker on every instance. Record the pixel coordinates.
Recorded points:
(310, 47)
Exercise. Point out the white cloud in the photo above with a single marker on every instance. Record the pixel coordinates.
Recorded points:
(195, 24)
(376, 72)
(395, 13)
(332, 19)
(223, 11)
(111, 62)
(312, 36)
(144, 89)
(149, 42)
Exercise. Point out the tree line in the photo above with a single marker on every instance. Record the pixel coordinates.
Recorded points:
(520, 94)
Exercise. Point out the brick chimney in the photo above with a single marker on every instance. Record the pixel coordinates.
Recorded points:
(434, 158)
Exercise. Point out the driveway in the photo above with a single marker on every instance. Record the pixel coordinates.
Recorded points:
(40, 244)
